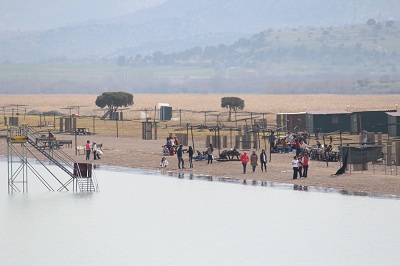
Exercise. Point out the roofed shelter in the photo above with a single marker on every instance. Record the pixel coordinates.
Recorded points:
(371, 121)
(328, 120)
(312, 121)
(291, 121)
(393, 124)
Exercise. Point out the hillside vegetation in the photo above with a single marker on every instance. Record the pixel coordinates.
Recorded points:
(358, 59)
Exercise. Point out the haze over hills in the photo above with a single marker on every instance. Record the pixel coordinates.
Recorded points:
(40, 15)
(265, 46)
(89, 30)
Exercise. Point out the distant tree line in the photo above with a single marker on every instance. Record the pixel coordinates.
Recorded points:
(327, 46)
(357, 59)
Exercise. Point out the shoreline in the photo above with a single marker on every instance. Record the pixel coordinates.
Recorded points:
(244, 181)
(136, 153)
(256, 182)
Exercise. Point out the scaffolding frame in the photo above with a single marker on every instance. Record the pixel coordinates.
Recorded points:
(19, 165)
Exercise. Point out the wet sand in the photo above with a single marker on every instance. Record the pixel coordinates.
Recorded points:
(146, 154)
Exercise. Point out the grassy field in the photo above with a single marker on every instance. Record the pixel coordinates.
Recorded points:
(187, 109)
(86, 73)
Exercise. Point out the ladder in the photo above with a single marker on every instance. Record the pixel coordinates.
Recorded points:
(55, 155)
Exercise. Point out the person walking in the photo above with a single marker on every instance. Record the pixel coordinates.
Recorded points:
(244, 158)
(263, 161)
(297, 144)
(190, 152)
(179, 154)
(87, 150)
(294, 165)
(272, 139)
(306, 163)
(94, 150)
(210, 151)
(300, 165)
(254, 160)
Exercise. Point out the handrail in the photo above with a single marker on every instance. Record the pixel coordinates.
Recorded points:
(57, 156)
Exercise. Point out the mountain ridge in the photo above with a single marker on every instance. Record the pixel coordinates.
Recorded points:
(175, 25)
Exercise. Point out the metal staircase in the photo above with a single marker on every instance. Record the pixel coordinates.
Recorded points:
(49, 149)
(106, 114)
(50, 157)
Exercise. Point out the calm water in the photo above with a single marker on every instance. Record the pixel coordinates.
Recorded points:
(142, 218)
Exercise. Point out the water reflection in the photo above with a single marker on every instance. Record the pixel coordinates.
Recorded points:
(148, 218)
(84, 195)
(300, 187)
(211, 178)
(270, 184)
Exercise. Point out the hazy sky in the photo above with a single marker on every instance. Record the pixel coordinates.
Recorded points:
(46, 14)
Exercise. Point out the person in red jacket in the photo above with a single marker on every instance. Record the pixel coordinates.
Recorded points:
(87, 150)
(244, 158)
(306, 163)
(297, 144)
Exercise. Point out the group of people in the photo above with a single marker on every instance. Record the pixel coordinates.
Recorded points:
(300, 165)
(325, 148)
(253, 159)
(179, 153)
(300, 162)
(169, 147)
(289, 143)
(92, 148)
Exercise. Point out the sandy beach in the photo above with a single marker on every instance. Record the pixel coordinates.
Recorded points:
(146, 154)
(130, 150)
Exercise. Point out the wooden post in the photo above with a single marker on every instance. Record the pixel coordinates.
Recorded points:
(208, 140)
(75, 138)
(237, 141)
(191, 132)
(230, 136)
(389, 154)
(180, 117)
(155, 124)
(116, 121)
(94, 125)
(219, 142)
(379, 138)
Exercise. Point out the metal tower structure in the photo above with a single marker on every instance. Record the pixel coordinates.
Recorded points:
(23, 143)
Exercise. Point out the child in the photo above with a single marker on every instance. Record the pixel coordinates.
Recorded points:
(164, 162)
(165, 150)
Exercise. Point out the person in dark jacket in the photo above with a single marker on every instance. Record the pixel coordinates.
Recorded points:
(179, 153)
(253, 160)
(190, 152)
(263, 161)
(210, 151)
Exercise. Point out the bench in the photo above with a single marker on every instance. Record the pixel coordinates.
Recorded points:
(61, 143)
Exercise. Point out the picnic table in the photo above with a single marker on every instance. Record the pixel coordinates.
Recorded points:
(319, 155)
(61, 143)
(82, 131)
(229, 155)
(45, 141)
